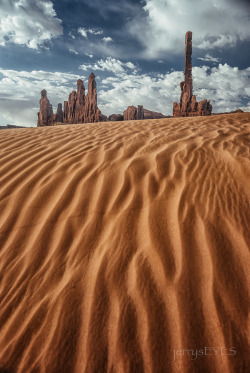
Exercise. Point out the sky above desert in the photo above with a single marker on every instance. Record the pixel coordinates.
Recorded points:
(135, 49)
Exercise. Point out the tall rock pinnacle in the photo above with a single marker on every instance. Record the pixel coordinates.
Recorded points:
(45, 115)
(187, 85)
(92, 113)
(188, 105)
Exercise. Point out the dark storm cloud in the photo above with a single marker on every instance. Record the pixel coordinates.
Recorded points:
(245, 3)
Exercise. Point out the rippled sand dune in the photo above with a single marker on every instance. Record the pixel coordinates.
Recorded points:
(125, 244)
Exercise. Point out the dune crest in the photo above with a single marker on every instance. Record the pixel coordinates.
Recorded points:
(124, 242)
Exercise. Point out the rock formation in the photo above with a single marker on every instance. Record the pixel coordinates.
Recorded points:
(78, 109)
(130, 113)
(140, 113)
(91, 113)
(133, 113)
(148, 114)
(115, 117)
(71, 107)
(75, 106)
(80, 102)
(188, 105)
(65, 112)
(45, 115)
(58, 117)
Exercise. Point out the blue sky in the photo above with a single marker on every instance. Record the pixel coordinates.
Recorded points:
(135, 48)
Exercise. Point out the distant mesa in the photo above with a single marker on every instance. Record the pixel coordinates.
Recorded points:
(133, 113)
(10, 126)
(78, 109)
(188, 105)
(148, 114)
(237, 111)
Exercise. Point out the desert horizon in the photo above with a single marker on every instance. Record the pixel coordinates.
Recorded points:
(125, 246)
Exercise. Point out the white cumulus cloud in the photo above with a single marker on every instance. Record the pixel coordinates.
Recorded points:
(209, 58)
(227, 87)
(110, 64)
(90, 55)
(28, 22)
(95, 32)
(73, 51)
(84, 32)
(107, 39)
(20, 93)
(215, 24)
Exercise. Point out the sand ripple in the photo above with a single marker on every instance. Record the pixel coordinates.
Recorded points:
(124, 242)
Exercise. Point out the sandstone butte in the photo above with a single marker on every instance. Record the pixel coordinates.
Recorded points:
(188, 105)
(133, 113)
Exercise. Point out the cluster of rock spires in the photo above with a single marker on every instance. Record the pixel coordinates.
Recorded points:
(83, 109)
(78, 109)
(188, 105)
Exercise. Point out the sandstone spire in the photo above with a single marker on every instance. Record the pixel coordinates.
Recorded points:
(45, 115)
(59, 113)
(187, 85)
(74, 107)
(91, 113)
(80, 102)
(188, 105)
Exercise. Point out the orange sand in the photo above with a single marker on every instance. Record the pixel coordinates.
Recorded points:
(124, 242)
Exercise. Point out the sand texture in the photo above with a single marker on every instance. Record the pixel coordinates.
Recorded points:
(123, 242)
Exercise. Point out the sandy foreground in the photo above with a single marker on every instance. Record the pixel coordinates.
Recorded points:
(125, 244)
